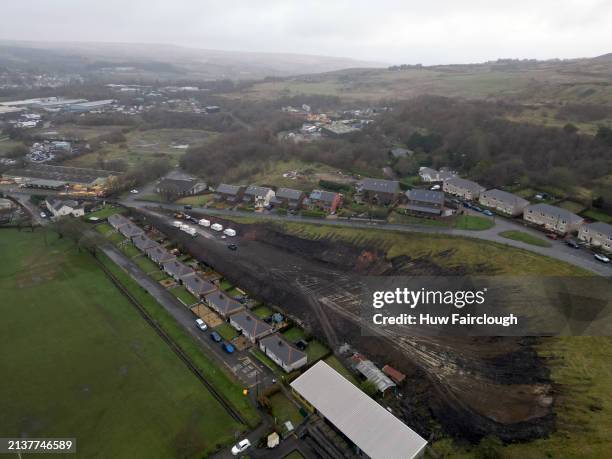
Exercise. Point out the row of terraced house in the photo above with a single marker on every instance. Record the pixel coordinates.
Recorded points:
(549, 217)
(249, 325)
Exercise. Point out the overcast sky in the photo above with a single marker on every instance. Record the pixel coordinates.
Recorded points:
(390, 31)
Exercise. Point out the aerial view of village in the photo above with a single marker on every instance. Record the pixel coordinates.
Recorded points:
(196, 202)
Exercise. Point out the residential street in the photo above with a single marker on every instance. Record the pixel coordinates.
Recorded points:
(246, 368)
(558, 250)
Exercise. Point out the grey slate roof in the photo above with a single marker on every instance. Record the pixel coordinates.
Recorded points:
(117, 220)
(325, 196)
(197, 285)
(224, 304)
(282, 349)
(254, 190)
(601, 227)
(251, 324)
(143, 243)
(505, 197)
(232, 190)
(130, 230)
(57, 204)
(380, 186)
(159, 254)
(465, 184)
(177, 269)
(401, 152)
(554, 212)
(288, 193)
(429, 196)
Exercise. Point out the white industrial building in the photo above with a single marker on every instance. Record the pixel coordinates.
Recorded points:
(373, 429)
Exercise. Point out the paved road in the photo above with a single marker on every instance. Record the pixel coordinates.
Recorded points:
(558, 250)
(243, 365)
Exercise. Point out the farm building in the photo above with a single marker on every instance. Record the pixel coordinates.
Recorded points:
(373, 430)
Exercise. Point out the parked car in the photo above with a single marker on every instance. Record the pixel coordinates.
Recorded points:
(43, 215)
(488, 213)
(134, 191)
(201, 324)
(601, 257)
(216, 337)
(573, 244)
(467, 205)
(552, 236)
(435, 188)
(228, 347)
(232, 247)
(241, 447)
(477, 209)
(187, 207)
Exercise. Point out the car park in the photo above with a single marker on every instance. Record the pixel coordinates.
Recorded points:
(216, 337)
(201, 324)
(241, 447)
(601, 257)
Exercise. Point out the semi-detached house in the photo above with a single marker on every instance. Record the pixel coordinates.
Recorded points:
(504, 202)
(463, 188)
(552, 218)
(597, 234)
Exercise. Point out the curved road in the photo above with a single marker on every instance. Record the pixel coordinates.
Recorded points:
(582, 258)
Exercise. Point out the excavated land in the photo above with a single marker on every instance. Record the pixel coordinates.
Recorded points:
(470, 387)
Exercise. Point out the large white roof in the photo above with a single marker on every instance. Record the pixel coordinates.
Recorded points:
(372, 428)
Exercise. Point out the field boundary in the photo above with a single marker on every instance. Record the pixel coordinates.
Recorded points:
(174, 346)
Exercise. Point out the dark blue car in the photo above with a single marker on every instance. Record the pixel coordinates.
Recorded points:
(215, 337)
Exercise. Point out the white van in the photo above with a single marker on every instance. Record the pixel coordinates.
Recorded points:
(204, 222)
(229, 232)
(217, 227)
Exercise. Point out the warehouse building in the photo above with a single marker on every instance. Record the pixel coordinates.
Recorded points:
(373, 430)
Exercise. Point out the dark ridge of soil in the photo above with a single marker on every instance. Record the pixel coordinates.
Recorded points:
(471, 387)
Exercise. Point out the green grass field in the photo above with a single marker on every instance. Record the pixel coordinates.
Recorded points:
(105, 212)
(79, 361)
(473, 223)
(226, 331)
(316, 350)
(293, 334)
(182, 294)
(599, 216)
(450, 252)
(262, 311)
(525, 237)
(284, 410)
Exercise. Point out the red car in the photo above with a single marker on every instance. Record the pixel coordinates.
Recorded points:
(552, 236)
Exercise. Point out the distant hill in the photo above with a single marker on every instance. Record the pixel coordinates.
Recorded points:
(578, 81)
(164, 61)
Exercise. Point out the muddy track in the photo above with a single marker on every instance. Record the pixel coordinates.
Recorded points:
(473, 386)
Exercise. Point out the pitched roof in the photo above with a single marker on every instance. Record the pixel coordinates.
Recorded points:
(251, 324)
(554, 212)
(396, 375)
(321, 195)
(505, 197)
(377, 432)
(159, 254)
(117, 220)
(601, 227)
(429, 196)
(197, 285)
(130, 230)
(254, 190)
(176, 268)
(143, 243)
(278, 346)
(223, 303)
(380, 186)
(57, 204)
(401, 152)
(229, 189)
(464, 183)
(288, 193)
